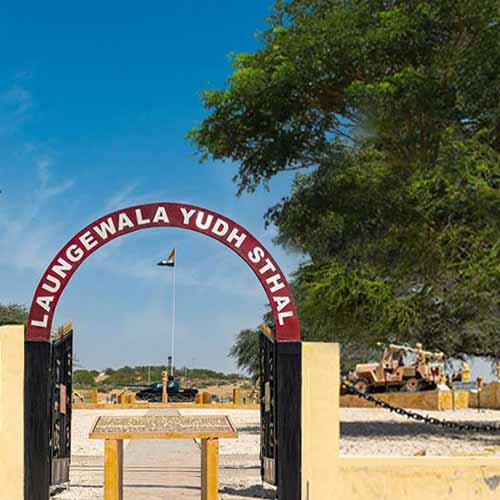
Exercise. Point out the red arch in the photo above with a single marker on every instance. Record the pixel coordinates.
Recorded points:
(180, 215)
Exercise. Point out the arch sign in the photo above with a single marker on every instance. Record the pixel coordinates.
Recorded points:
(179, 215)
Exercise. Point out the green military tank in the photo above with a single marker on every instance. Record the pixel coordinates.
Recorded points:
(176, 394)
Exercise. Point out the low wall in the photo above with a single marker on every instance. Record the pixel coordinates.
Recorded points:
(414, 478)
(425, 400)
(489, 397)
(12, 412)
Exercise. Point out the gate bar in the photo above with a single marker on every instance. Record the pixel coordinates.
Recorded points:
(36, 420)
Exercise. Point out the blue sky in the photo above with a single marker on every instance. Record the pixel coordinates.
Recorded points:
(95, 101)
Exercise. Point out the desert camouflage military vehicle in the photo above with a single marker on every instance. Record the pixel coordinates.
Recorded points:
(391, 372)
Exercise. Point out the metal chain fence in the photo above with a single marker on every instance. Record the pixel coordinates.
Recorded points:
(458, 426)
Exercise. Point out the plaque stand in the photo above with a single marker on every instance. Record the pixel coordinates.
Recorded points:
(209, 469)
(113, 469)
(115, 429)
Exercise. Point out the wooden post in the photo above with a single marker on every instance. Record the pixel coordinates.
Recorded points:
(209, 469)
(113, 469)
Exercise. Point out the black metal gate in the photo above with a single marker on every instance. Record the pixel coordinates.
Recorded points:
(268, 409)
(60, 404)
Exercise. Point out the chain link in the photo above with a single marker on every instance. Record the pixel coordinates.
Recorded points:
(419, 417)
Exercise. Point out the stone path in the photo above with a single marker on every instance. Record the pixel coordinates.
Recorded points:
(162, 468)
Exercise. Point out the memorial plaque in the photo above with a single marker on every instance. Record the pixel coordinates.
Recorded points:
(163, 426)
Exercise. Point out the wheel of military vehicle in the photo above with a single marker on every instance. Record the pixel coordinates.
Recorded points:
(412, 385)
(362, 384)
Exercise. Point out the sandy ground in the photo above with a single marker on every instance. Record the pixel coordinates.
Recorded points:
(378, 432)
(364, 432)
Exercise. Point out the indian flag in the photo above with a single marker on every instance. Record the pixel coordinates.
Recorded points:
(170, 260)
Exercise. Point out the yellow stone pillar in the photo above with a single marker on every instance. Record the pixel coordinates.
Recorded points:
(199, 398)
(207, 398)
(12, 412)
(209, 469)
(164, 394)
(320, 420)
(113, 469)
(466, 372)
(122, 398)
(95, 396)
(236, 396)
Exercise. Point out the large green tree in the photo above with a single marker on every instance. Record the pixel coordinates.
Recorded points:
(388, 73)
(245, 352)
(390, 109)
(13, 314)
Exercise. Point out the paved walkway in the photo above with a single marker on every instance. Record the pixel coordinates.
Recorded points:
(162, 468)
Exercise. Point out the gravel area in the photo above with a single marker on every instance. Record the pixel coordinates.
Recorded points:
(364, 432)
(377, 432)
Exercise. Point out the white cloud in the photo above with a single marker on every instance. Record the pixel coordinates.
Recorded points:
(17, 100)
(121, 198)
(16, 103)
(46, 189)
(26, 236)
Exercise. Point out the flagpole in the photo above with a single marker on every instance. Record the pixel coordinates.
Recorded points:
(173, 319)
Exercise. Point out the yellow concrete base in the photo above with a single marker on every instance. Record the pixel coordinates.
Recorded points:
(488, 398)
(416, 478)
(11, 412)
(425, 400)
